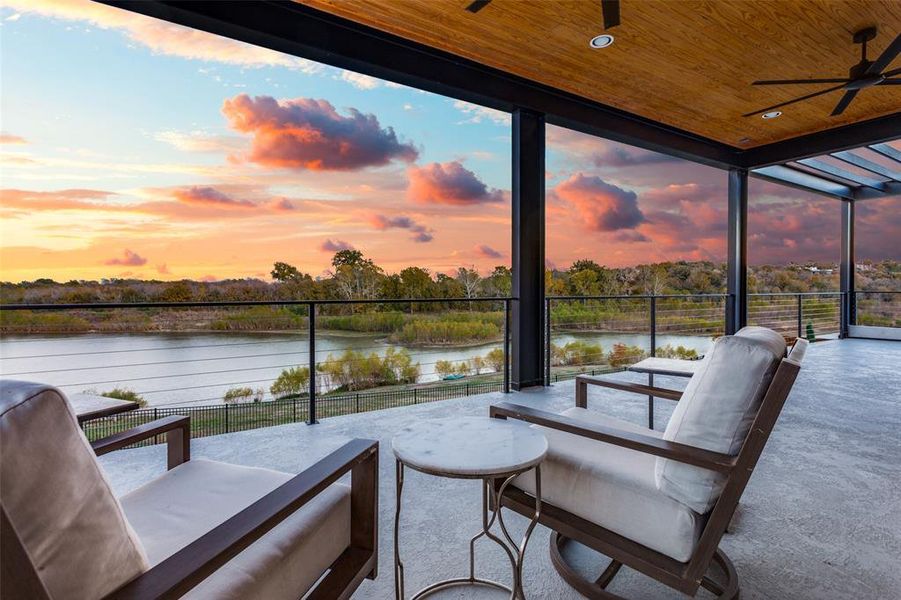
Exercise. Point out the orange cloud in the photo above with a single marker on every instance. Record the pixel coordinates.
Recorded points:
(6, 138)
(449, 183)
(309, 134)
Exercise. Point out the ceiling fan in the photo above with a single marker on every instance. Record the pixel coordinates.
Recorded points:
(865, 74)
(609, 9)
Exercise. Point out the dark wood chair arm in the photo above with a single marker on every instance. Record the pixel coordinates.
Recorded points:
(683, 453)
(178, 438)
(637, 388)
(182, 571)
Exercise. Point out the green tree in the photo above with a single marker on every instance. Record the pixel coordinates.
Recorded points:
(443, 368)
(284, 272)
(495, 360)
(238, 394)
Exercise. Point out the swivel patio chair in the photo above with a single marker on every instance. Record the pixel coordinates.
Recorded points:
(203, 529)
(659, 502)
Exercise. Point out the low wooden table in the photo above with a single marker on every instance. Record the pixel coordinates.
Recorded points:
(673, 367)
(91, 406)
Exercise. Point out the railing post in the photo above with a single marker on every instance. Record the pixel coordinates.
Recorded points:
(547, 342)
(653, 353)
(506, 346)
(311, 311)
(800, 317)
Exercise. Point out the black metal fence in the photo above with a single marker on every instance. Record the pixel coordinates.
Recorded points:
(229, 418)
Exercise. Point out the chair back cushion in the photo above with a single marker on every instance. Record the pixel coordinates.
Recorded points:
(57, 499)
(716, 411)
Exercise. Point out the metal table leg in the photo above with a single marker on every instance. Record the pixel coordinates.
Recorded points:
(515, 552)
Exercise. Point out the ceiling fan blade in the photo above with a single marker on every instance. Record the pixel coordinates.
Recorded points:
(807, 97)
(890, 82)
(844, 102)
(477, 5)
(887, 56)
(610, 8)
(796, 81)
(892, 73)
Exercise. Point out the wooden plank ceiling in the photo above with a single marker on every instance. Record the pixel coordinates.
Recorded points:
(688, 63)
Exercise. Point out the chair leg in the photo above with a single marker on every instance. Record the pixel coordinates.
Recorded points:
(596, 590)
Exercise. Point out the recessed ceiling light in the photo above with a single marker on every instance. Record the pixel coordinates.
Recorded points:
(772, 115)
(601, 41)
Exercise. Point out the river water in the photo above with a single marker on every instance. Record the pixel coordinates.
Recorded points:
(173, 369)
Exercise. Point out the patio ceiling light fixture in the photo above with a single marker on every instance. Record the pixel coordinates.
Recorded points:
(772, 115)
(601, 41)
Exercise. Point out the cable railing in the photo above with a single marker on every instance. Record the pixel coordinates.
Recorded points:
(877, 309)
(602, 334)
(246, 364)
(255, 360)
(813, 315)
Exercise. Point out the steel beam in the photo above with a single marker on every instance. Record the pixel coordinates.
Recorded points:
(852, 158)
(846, 270)
(527, 337)
(737, 252)
(804, 181)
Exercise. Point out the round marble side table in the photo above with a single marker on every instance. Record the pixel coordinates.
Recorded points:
(492, 450)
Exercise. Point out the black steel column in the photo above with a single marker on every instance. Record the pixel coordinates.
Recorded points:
(737, 252)
(846, 269)
(528, 250)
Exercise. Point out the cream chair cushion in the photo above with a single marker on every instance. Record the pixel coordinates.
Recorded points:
(613, 487)
(57, 499)
(175, 509)
(716, 411)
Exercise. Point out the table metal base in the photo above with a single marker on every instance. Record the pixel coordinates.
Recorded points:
(515, 552)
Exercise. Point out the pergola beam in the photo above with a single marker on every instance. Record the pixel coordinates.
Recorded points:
(802, 180)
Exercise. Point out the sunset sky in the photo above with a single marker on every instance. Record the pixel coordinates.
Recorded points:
(132, 147)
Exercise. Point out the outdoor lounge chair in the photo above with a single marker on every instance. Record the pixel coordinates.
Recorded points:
(204, 529)
(659, 502)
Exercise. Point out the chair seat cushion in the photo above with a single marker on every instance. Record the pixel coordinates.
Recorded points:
(175, 509)
(613, 487)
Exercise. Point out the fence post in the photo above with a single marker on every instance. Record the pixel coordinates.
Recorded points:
(653, 353)
(226, 418)
(415, 396)
(156, 412)
(357, 401)
(507, 346)
(800, 317)
(547, 341)
(311, 318)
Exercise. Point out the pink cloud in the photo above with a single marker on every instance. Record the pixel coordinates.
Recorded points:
(485, 251)
(309, 134)
(335, 246)
(603, 206)
(420, 232)
(449, 183)
(129, 258)
(209, 196)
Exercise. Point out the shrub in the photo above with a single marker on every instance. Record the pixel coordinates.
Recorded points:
(444, 368)
(290, 382)
(495, 360)
(259, 318)
(357, 371)
(433, 331)
(124, 394)
(623, 355)
(576, 353)
(678, 352)
(239, 394)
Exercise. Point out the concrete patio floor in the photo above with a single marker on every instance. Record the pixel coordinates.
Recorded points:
(821, 518)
